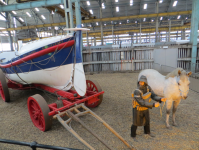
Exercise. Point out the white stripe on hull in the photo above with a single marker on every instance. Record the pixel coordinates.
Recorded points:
(57, 77)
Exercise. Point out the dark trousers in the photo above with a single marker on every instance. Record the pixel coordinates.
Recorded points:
(137, 117)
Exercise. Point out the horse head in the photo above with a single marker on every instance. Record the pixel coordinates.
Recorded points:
(183, 82)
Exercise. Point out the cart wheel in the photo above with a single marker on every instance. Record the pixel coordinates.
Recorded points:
(38, 110)
(94, 86)
(4, 88)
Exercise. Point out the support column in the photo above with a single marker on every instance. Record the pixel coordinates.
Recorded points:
(149, 38)
(112, 35)
(156, 24)
(136, 38)
(183, 34)
(194, 32)
(101, 25)
(169, 31)
(87, 38)
(177, 35)
(140, 33)
(10, 37)
(95, 41)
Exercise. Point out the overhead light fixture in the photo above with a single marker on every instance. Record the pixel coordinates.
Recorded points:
(127, 21)
(53, 12)
(152, 20)
(14, 12)
(56, 28)
(175, 3)
(161, 18)
(103, 6)
(28, 14)
(91, 11)
(88, 3)
(116, 1)
(131, 2)
(3, 2)
(82, 25)
(97, 23)
(21, 19)
(105, 24)
(160, 1)
(120, 23)
(43, 17)
(117, 9)
(144, 19)
(135, 21)
(145, 6)
(62, 6)
(36, 9)
(186, 18)
(179, 17)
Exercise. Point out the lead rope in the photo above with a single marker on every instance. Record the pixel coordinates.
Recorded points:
(161, 108)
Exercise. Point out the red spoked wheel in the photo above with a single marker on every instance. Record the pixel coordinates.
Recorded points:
(38, 110)
(4, 88)
(94, 86)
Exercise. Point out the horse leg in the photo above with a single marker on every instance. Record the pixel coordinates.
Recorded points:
(168, 109)
(175, 105)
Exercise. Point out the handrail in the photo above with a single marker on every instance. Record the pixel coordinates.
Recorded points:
(34, 145)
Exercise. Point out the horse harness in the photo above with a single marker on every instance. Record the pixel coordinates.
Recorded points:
(146, 97)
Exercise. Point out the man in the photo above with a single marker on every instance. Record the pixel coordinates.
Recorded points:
(141, 102)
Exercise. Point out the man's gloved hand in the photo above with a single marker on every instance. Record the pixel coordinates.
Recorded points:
(163, 99)
(156, 104)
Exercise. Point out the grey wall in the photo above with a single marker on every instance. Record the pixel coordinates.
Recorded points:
(167, 56)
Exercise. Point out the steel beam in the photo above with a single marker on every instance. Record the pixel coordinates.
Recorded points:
(138, 16)
(29, 5)
(194, 33)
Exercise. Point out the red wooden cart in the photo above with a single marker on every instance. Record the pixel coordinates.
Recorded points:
(40, 112)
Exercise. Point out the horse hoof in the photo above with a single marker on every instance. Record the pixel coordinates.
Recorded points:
(168, 126)
(175, 124)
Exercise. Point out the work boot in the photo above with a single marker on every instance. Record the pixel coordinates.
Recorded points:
(151, 135)
(135, 139)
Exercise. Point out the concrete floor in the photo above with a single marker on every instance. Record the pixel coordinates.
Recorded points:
(116, 110)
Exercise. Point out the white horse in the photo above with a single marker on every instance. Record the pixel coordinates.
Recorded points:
(174, 87)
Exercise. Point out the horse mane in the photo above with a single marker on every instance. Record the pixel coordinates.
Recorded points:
(175, 73)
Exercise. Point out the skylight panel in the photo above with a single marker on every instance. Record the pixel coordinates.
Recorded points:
(145, 6)
(28, 14)
(14, 12)
(116, 1)
(160, 1)
(97, 23)
(21, 19)
(103, 6)
(179, 17)
(144, 19)
(36, 9)
(43, 17)
(117, 9)
(131, 2)
(91, 11)
(62, 6)
(88, 3)
(161, 18)
(175, 3)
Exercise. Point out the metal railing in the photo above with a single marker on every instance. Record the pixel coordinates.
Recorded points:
(35, 145)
